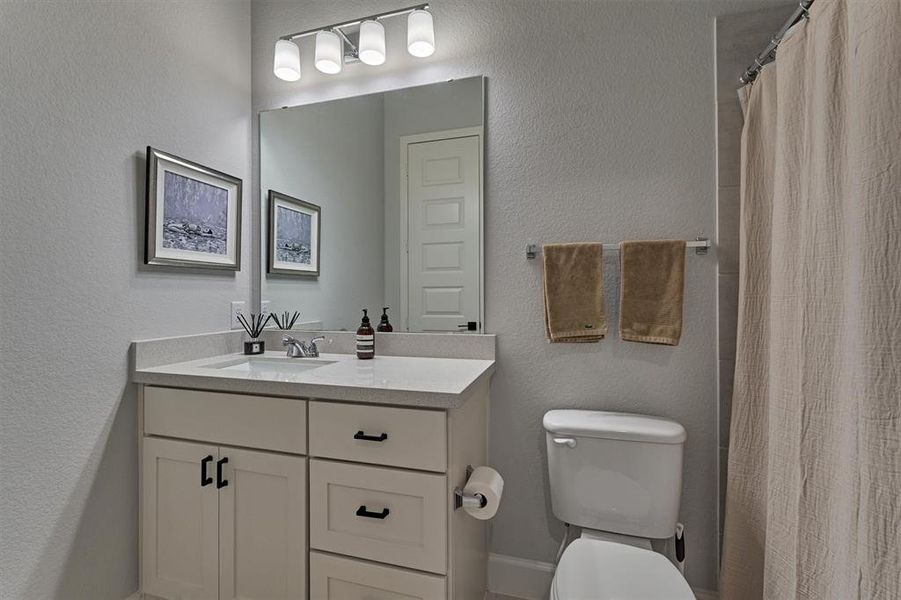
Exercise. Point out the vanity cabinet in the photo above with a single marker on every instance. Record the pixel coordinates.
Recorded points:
(180, 521)
(219, 522)
(230, 483)
(222, 522)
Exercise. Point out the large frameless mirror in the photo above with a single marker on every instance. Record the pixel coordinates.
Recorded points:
(376, 201)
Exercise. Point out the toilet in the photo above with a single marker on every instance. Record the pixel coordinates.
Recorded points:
(618, 477)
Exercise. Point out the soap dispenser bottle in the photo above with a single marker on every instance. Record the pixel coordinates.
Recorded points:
(384, 325)
(365, 338)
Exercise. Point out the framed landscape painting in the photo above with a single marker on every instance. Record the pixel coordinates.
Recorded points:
(193, 214)
(293, 236)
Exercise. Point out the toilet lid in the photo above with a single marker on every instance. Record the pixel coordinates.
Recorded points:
(601, 570)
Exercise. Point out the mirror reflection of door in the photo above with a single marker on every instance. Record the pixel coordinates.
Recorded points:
(440, 221)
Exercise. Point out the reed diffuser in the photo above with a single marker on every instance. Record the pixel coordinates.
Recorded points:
(254, 327)
(286, 321)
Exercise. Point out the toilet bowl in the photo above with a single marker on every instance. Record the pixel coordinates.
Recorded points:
(617, 476)
(594, 569)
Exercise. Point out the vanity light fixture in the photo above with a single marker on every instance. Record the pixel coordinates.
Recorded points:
(372, 43)
(328, 52)
(287, 60)
(360, 40)
(420, 34)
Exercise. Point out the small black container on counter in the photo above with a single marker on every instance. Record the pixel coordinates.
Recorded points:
(254, 347)
(254, 327)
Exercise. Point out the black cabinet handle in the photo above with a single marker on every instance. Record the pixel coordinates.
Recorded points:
(204, 478)
(362, 512)
(370, 438)
(220, 482)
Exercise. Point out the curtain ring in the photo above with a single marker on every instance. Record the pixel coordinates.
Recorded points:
(805, 12)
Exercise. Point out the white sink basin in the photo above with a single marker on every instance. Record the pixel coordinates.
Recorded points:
(266, 367)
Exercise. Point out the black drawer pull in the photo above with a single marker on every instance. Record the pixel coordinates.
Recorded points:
(220, 482)
(204, 478)
(370, 438)
(362, 512)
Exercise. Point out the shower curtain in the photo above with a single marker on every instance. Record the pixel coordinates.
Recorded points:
(813, 500)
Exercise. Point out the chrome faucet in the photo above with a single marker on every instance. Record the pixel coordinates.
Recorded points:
(301, 349)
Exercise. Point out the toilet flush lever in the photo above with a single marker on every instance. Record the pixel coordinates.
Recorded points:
(570, 442)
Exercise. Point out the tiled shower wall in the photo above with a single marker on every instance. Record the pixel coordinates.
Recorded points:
(739, 38)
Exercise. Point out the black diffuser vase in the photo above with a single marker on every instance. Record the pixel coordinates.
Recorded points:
(254, 347)
(254, 328)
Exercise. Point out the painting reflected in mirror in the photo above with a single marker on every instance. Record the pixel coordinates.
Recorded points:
(293, 236)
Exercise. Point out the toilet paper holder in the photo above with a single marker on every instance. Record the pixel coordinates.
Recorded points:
(462, 499)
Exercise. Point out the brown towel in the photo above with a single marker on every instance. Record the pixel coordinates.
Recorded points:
(650, 306)
(574, 292)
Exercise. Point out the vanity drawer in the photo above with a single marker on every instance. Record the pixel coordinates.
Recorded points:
(381, 514)
(337, 578)
(261, 422)
(404, 437)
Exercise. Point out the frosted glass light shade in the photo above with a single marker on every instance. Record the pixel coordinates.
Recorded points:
(328, 57)
(372, 43)
(420, 34)
(287, 61)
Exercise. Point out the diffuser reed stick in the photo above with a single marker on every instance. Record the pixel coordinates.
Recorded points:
(287, 320)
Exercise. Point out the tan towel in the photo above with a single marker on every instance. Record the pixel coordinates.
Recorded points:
(574, 292)
(653, 277)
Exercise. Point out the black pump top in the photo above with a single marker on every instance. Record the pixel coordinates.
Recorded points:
(385, 314)
(365, 316)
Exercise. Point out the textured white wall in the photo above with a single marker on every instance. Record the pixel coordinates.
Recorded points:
(85, 87)
(600, 126)
(330, 155)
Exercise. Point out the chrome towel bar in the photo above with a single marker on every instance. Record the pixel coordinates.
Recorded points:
(700, 245)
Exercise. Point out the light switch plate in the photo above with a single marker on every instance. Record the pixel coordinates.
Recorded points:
(237, 308)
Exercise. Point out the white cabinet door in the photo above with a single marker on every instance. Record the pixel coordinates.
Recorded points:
(262, 526)
(180, 552)
(443, 228)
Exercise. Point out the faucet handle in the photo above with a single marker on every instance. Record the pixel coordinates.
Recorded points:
(312, 348)
(286, 340)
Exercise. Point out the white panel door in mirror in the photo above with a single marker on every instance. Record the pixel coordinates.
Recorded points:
(443, 203)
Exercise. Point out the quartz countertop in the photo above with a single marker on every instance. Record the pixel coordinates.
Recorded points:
(402, 380)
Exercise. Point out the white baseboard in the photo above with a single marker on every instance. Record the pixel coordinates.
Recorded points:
(531, 579)
(519, 577)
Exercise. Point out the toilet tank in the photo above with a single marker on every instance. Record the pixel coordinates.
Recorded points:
(616, 472)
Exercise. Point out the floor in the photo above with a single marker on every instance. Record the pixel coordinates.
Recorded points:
(493, 596)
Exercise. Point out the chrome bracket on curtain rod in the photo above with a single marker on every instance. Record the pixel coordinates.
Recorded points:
(769, 53)
(701, 245)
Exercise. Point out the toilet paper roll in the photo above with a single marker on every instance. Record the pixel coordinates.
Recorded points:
(489, 483)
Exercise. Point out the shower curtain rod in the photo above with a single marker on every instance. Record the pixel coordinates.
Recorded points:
(769, 53)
